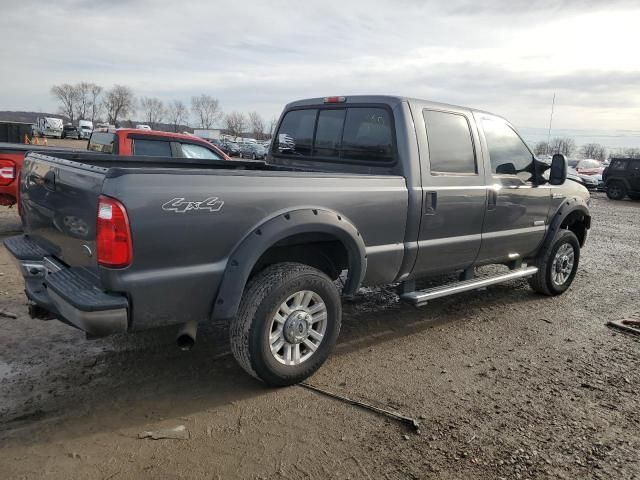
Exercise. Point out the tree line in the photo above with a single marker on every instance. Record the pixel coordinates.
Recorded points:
(567, 146)
(89, 101)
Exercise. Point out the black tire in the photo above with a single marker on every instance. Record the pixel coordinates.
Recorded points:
(543, 281)
(616, 190)
(252, 327)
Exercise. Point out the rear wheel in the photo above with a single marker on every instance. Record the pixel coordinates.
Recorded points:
(557, 264)
(616, 190)
(287, 324)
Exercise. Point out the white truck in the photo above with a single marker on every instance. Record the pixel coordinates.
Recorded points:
(49, 127)
(85, 127)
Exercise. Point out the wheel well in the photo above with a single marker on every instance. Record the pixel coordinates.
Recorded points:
(319, 250)
(578, 222)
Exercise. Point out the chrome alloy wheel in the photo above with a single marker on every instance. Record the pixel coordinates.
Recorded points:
(562, 265)
(298, 327)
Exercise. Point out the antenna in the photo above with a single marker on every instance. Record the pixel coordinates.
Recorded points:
(553, 102)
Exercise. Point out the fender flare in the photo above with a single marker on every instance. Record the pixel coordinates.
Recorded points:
(565, 209)
(262, 237)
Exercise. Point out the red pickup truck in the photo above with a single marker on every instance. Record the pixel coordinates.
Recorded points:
(121, 141)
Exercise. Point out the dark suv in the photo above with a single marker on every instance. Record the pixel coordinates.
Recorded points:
(622, 178)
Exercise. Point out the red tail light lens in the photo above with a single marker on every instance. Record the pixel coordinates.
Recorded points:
(7, 172)
(113, 235)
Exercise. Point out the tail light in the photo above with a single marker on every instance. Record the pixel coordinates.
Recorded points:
(7, 172)
(335, 99)
(113, 235)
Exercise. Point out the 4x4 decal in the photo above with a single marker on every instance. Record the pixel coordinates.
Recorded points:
(180, 205)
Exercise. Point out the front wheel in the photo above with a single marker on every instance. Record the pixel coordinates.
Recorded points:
(287, 324)
(557, 264)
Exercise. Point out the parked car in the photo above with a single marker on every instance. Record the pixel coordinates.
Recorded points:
(589, 167)
(132, 141)
(71, 131)
(125, 244)
(622, 178)
(230, 148)
(252, 150)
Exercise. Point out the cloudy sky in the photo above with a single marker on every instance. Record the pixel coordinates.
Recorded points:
(508, 57)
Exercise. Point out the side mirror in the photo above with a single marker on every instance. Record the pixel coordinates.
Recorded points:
(558, 171)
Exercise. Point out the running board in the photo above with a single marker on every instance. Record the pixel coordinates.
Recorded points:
(421, 297)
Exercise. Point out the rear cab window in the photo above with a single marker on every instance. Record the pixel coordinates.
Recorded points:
(103, 142)
(347, 134)
(151, 148)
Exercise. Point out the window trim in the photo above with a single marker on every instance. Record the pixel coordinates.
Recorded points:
(439, 173)
(339, 160)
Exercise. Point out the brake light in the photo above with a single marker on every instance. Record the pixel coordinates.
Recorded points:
(7, 172)
(113, 235)
(335, 99)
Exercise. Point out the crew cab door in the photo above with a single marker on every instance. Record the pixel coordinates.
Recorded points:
(454, 193)
(517, 208)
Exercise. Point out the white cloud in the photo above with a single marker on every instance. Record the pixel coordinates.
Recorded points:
(507, 57)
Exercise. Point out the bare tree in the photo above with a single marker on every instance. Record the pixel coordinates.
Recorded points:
(178, 114)
(96, 106)
(153, 110)
(236, 123)
(207, 110)
(564, 145)
(594, 150)
(541, 148)
(632, 152)
(119, 102)
(256, 124)
(67, 95)
(272, 126)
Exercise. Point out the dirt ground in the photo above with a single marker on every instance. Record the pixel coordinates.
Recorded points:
(505, 383)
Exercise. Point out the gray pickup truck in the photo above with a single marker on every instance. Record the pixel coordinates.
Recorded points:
(367, 189)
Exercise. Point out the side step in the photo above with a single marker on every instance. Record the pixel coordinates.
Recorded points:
(421, 297)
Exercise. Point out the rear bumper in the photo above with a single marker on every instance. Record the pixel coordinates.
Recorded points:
(69, 294)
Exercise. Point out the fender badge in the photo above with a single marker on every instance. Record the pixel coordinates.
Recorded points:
(180, 205)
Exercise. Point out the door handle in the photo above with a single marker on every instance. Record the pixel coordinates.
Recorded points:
(430, 202)
(492, 199)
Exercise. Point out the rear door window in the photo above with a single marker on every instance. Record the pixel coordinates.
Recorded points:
(190, 150)
(634, 165)
(102, 142)
(151, 148)
(450, 144)
(295, 136)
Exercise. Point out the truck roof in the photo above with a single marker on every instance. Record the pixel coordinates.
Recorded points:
(391, 100)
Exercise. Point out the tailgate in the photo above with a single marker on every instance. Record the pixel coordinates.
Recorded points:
(59, 201)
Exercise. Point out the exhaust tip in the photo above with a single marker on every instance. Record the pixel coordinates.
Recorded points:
(185, 342)
(186, 337)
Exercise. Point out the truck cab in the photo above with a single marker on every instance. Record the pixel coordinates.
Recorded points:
(130, 141)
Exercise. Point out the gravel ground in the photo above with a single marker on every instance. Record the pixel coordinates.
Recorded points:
(505, 384)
